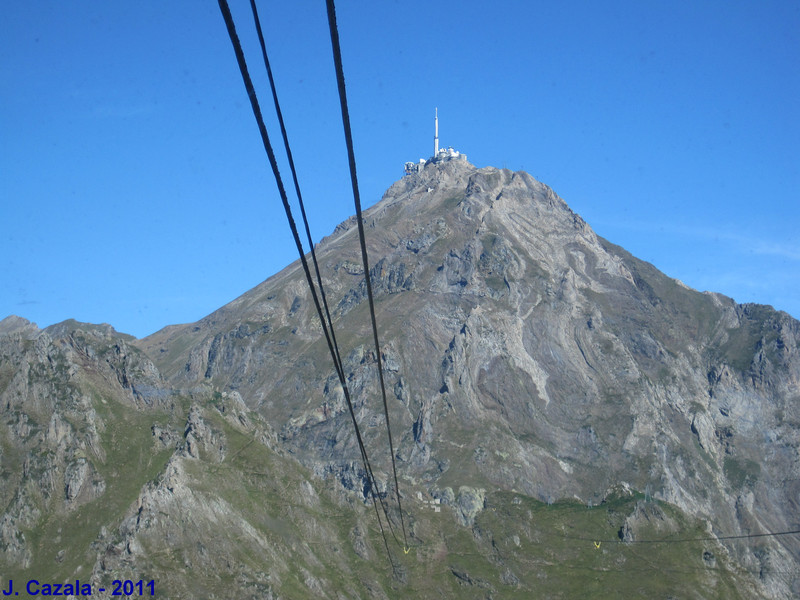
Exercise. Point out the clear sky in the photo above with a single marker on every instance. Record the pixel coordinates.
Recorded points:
(134, 189)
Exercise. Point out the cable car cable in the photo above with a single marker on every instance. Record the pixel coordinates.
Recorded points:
(336, 355)
(685, 540)
(337, 58)
(279, 113)
(226, 13)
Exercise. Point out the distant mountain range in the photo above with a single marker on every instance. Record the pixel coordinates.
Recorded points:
(568, 422)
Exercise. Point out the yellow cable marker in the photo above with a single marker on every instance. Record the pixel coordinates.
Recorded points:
(597, 545)
(406, 550)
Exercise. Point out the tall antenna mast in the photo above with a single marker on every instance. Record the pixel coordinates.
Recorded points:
(436, 133)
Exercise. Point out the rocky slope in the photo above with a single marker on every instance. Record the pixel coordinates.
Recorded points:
(550, 392)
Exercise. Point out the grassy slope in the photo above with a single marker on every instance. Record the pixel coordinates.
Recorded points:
(61, 541)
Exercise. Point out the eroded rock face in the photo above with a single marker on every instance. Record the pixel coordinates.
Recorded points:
(203, 439)
(469, 503)
(58, 391)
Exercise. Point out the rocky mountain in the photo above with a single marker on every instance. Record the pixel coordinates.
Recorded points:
(568, 421)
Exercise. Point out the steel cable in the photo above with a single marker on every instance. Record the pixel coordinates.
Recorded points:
(228, 17)
(337, 58)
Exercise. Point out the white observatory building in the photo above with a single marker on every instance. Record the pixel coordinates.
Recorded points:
(439, 154)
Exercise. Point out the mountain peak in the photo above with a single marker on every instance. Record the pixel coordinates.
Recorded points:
(527, 361)
(14, 324)
(524, 353)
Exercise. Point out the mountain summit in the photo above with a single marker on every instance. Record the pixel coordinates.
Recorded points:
(555, 402)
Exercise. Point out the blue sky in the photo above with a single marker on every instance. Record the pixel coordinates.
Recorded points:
(134, 189)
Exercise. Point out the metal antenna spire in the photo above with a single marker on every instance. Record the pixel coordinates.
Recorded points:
(436, 134)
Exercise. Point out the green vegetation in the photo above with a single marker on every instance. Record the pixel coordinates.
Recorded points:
(741, 472)
(453, 200)
(520, 547)
(271, 526)
(61, 542)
